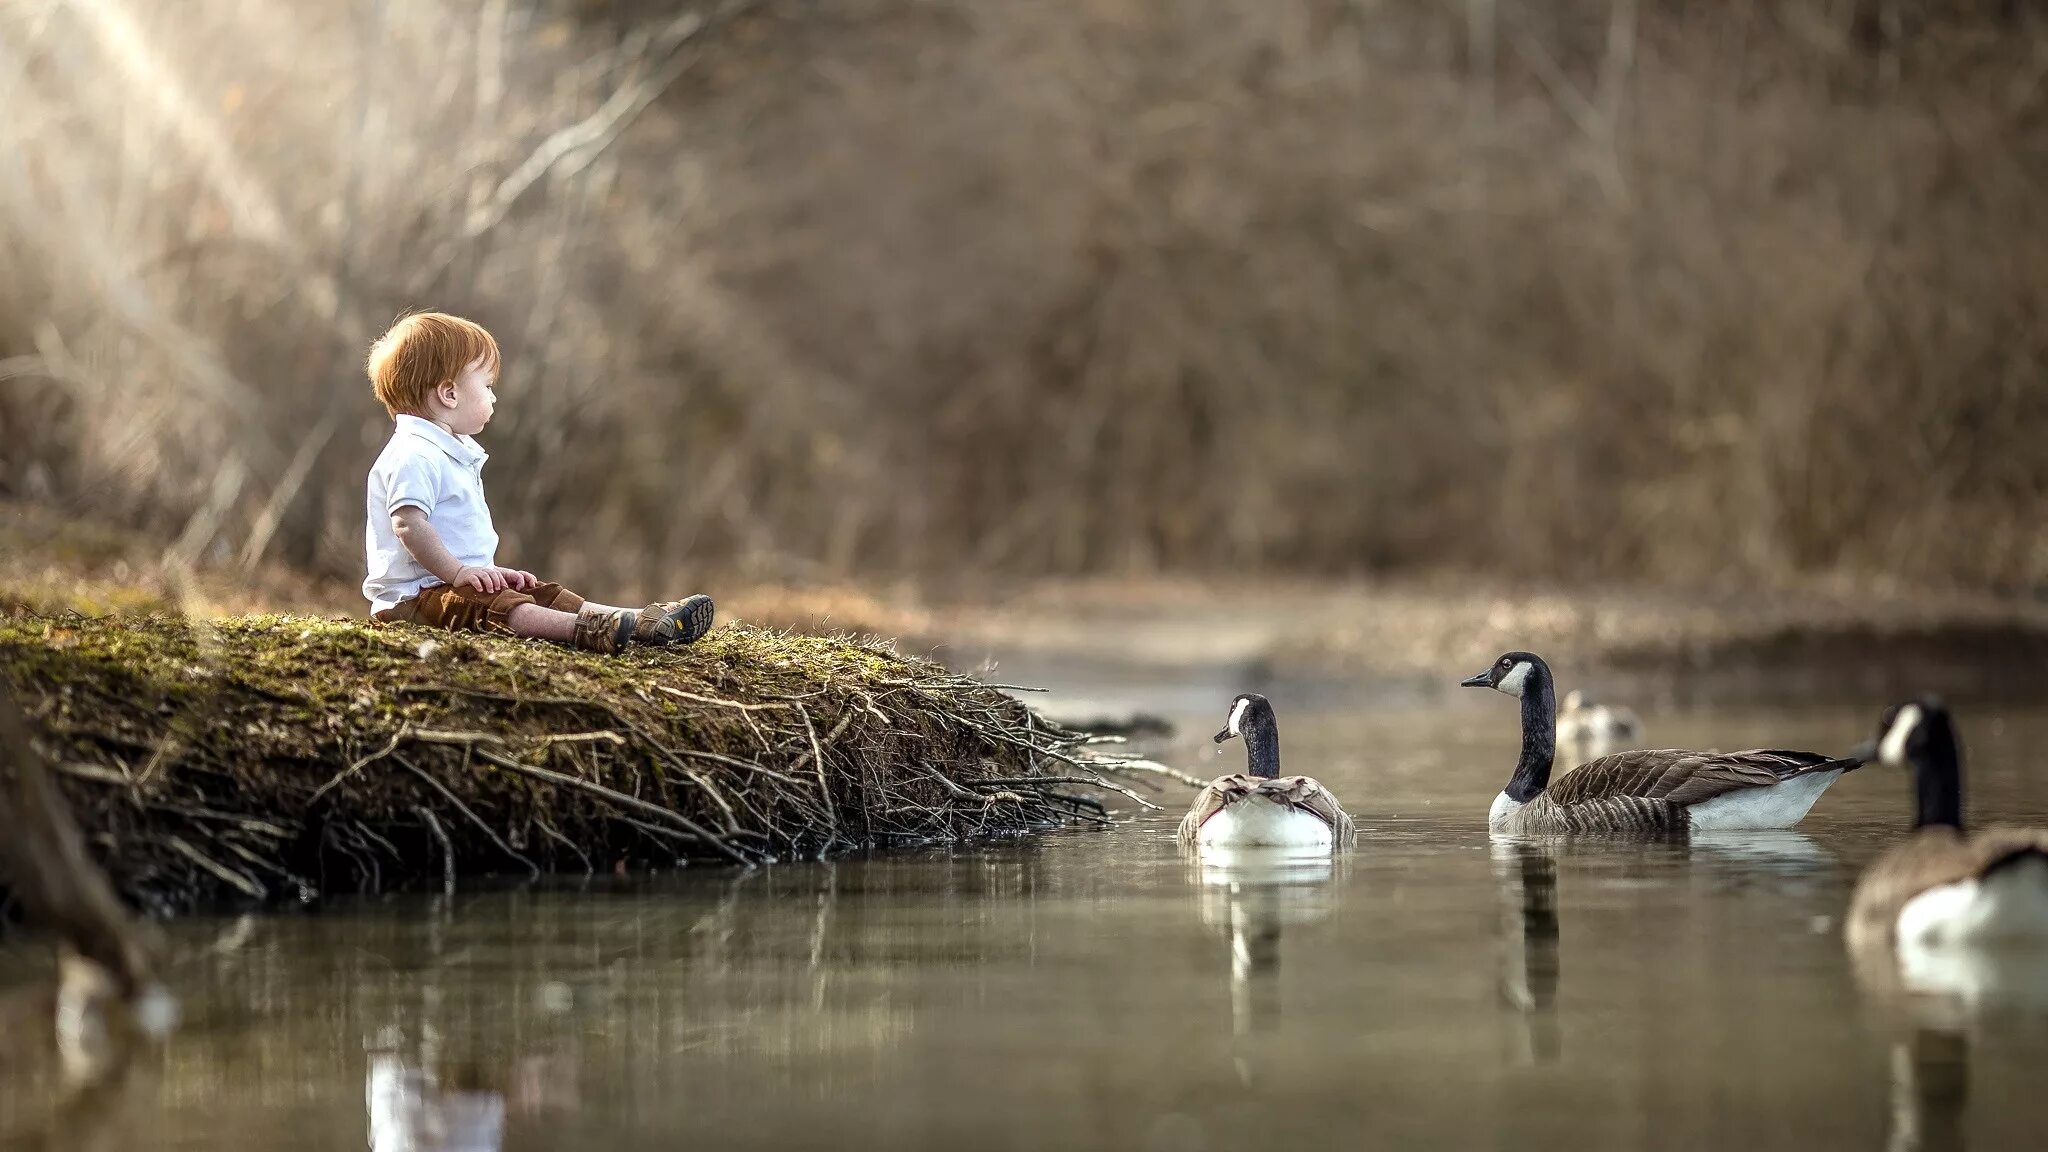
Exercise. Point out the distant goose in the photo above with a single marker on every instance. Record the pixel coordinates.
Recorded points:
(1595, 729)
(1658, 791)
(1945, 886)
(1263, 808)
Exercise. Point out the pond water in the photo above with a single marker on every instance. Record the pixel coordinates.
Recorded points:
(1100, 990)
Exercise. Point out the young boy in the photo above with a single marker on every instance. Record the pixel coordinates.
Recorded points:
(431, 548)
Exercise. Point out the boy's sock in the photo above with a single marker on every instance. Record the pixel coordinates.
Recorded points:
(604, 630)
(674, 622)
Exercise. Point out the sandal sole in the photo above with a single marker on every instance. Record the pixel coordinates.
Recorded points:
(693, 618)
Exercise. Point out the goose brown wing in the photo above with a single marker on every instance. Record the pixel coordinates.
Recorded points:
(1930, 858)
(2001, 844)
(1310, 796)
(1679, 777)
(1220, 794)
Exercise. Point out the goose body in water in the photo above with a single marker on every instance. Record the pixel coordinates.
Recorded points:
(1261, 808)
(1652, 791)
(1945, 886)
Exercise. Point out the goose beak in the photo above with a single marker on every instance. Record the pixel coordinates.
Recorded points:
(1483, 680)
(1223, 736)
(1866, 752)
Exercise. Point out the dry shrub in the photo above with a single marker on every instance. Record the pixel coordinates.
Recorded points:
(1603, 288)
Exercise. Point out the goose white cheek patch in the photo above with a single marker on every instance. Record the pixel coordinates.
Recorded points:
(1512, 682)
(1893, 750)
(1237, 716)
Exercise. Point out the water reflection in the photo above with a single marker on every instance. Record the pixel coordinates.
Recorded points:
(1251, 894)
(1526, 874)
(1773, 855)
(1930, 1084)
(1934, 1004)
(100, 1116)
(412, 1110)
(1106, 991)
(1949, 986)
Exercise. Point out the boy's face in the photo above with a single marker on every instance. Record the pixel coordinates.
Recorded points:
(466, 405)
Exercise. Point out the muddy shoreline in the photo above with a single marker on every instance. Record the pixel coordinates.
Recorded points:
(1819, 641)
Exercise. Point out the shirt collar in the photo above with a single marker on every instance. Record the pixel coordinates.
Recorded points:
(463, 449)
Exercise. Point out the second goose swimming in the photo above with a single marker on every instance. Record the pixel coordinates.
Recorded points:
(1945, 885)
(1654, 791)
(1263, 808)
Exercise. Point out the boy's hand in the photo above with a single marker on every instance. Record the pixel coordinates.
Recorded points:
(491, 579)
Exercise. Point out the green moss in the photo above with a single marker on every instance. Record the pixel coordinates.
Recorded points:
(285, 754)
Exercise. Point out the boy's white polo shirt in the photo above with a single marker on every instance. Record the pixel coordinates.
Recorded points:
(432, 469)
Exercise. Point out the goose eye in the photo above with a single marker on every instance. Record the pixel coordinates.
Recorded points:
(1504, 661)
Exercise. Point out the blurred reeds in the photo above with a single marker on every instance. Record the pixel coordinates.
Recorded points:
(1636, 290)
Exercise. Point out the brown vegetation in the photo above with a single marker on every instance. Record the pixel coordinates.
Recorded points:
(281, 757)
(1643, 289)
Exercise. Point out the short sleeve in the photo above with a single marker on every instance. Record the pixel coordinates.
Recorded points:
(413, 480)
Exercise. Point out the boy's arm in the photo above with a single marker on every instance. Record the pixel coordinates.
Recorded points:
(417, 534)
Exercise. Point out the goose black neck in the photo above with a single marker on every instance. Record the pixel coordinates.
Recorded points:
(1539, 737)
(1262, 746)
(1938, 779)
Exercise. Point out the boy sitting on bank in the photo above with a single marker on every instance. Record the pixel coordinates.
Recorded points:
(432, 550)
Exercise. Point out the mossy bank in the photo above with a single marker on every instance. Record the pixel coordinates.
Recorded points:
(278, 757)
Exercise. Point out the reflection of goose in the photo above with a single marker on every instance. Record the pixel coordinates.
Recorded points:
(1252, 894)
(1263, 808)
(1587, 729)
(1930, 1074)
(1527, 875)
(1659, 791)
(411, 1110)
(1777, 858)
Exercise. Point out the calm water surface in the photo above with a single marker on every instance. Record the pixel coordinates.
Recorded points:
(1099, 990)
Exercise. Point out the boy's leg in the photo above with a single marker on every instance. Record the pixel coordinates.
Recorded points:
(675, 622)
(551, 612)
(573, 620)
(537, 623)
(592, 628)
(561, 618)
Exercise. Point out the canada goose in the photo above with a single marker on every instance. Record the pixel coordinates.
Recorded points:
(1946, 886)
(104, 962)
(1588, 729)
(1263, 808)
(1649, 791)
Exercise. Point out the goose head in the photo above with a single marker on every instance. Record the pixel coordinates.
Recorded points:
(1251, 717)
(1919, 736)
(1512, 674)
(1248, 709)
(1916, 732)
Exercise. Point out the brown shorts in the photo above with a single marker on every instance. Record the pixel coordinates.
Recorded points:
(468, 610)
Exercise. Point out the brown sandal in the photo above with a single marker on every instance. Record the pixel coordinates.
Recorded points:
(675, 622)
(604, 632)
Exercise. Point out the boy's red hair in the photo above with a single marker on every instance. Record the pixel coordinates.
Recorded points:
(422, 352)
